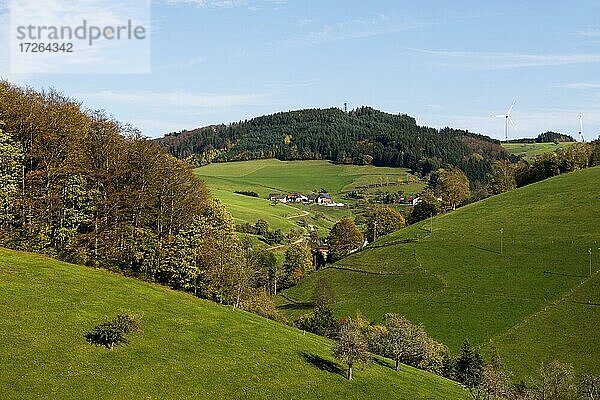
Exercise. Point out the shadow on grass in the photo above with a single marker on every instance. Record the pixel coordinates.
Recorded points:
(484, 249)
(392, 243)
(296, 306)
(563, 274)
(390, 364)
(362, 271)
(384, 362)
(322, 364)
(586, 303)
(425, 228)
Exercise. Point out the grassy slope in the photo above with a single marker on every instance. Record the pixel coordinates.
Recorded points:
(266, 176)
(250, 209)
(567, 330)
(457, 283)
(269, 176)
(531, 150)
(190, 348)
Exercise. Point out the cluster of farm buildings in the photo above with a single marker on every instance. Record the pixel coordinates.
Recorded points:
(323, 199)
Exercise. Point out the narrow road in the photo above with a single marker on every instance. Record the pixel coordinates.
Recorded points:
(305, 213)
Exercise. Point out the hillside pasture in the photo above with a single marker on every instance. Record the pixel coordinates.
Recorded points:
(274, 176)
(486, 272)
(531, 150)
(189, 348)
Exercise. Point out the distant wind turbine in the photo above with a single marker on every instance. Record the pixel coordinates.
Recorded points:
(507, 119)
(418, 120)
(581, 137)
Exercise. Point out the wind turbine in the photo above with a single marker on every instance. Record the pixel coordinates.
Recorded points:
(418, 121)
(581, 137)
(507, 119)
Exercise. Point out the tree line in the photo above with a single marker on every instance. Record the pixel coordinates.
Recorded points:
(449, 188)
(546, 137)
(82, 187)
(361, 136)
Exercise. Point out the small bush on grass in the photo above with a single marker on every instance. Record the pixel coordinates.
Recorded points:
(114, 331)
(246, 193)
(320, 322)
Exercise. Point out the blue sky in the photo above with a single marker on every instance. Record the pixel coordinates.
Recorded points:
(451, 63)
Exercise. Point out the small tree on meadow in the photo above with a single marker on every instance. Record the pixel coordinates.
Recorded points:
(589, 387)
(266, 266)
(469, 368)
(297, 263)
(452, 185)
(113, 332)
(351, 347)
(496, 379)
(314, 238)
(428, 207)
(320, 321)
(556, 381)
(262, 227)
(436, 358)
(403, 340)
(383, 221)
(323, 294)
(503, 177)
(343, 238)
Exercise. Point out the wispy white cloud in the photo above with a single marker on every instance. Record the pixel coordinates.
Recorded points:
(183, 64)
(249, 4)
(211, 3)
(591, 31)
(500, 60)
(156, 112)
(362, 28)
(305, 21)
(173, 99)
(291, 84)
(580, 85)
(158, 126)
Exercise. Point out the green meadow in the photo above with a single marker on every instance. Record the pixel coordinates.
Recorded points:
(267, 176)
(250, 209)
(274, 176)
(531, 150)
(189, 348)
(512, 269)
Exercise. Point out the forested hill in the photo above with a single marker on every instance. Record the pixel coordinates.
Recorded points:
(361, 136)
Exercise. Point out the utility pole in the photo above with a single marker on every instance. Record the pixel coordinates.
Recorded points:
(345, 107)
(501, 237)
(431, 223)
(374, 230)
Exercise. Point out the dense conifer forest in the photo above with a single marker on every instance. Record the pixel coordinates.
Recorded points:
(361, 136)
